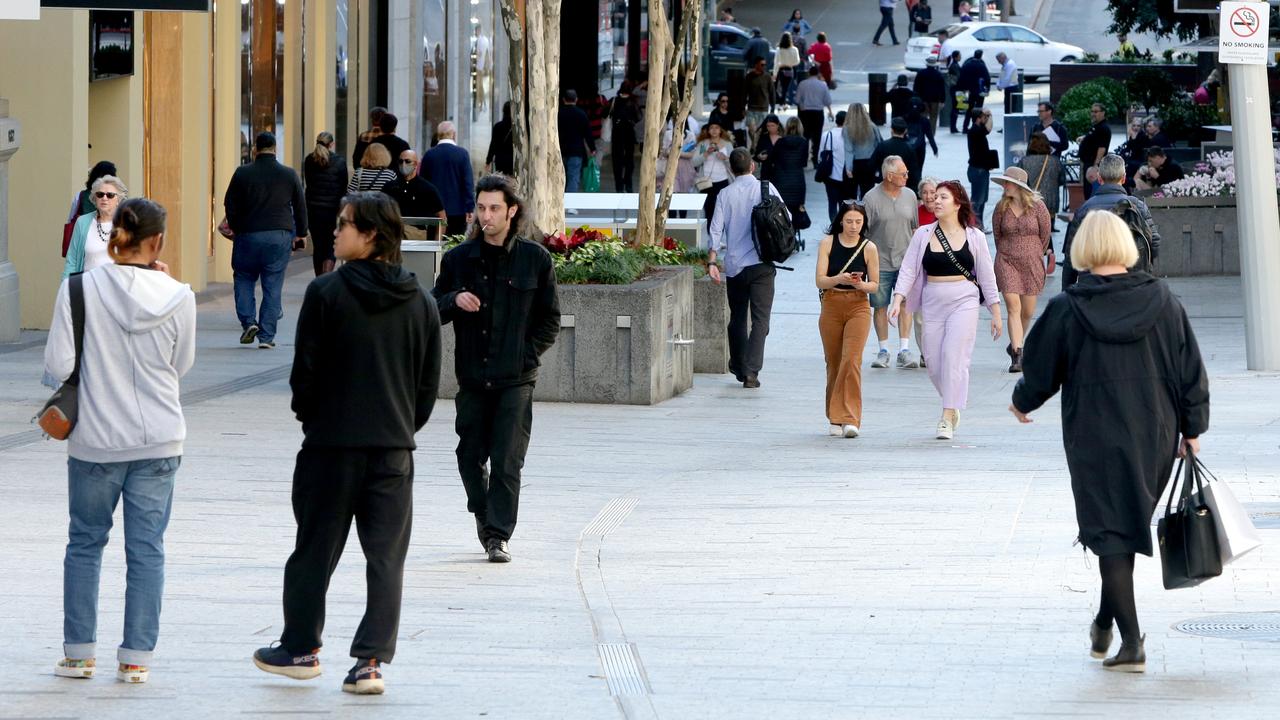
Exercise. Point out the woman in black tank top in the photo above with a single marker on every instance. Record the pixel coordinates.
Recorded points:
(848, 270)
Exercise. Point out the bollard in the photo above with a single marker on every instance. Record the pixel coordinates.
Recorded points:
(878, 96)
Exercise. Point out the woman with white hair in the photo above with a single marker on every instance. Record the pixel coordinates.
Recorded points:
(1135, 394)
(88, 248)
(1024, 254)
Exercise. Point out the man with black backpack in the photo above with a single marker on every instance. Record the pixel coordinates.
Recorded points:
(751, 235)
(1111, 196)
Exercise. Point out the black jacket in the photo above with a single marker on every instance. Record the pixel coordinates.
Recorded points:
(394, 145)
(785, 168)
(367, 365)
(416, 197)
(903, 148)
(1099, 136)
(1123, 353)
(900, 100)
(974, 76)
(325, 184)
(265, 195)
(1106, 196)
(519, 316)
(575, 131)
(625, 116)
(980, 153)
(1063, 142)
(931, 85)
(502, 149)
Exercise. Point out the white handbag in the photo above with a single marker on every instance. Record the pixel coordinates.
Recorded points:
(1236, 533)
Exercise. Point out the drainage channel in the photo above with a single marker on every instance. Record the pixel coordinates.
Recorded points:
(1255, 627)
(189, 399)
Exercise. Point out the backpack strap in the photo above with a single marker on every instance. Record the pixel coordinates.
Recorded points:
(75, 287)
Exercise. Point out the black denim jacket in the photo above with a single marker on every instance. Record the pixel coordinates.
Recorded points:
(499, 345)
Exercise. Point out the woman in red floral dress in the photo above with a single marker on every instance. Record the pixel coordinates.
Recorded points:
(1024, 254)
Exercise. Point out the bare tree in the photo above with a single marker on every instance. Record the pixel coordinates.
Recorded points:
(537, 142)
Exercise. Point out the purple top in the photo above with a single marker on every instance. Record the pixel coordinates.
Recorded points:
(911, 277)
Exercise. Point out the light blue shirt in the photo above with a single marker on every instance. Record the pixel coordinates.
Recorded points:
(731, 238)
(813, 94)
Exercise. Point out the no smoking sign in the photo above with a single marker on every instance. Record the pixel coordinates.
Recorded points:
(1243, 38)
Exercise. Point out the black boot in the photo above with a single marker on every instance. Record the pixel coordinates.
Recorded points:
(1132, 658)
(1016, 365)
(1099, 640)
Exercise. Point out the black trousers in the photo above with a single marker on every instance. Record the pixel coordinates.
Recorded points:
(709, 205)
(624, 166)
(493, 428)
(976, 100)
(812, 121)
(331, 486)
(322, 222)
(886, 23)
(750, 303)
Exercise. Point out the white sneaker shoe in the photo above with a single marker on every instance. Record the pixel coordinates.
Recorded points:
(850, 431)
(835, 431)
(945, 430)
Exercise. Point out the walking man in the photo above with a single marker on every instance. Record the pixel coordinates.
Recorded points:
(760, 97)
(448, 167)
(364, 380)
(892, 218)
(267, 212)
(1008, 82)
(1111, 171)
(886, 22)
(750, 281)
(575, 140)
(812, 98)
(975, 79)
(931, 86)
(394, 143)
(499, 291)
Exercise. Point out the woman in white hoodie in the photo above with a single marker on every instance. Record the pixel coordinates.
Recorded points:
(139, 339)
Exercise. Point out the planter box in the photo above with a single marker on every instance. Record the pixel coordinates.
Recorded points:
(1198, 236)
(618, 344)
(710, 327)
(1064, 76)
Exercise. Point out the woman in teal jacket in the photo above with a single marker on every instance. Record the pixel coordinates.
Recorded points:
(88, 248)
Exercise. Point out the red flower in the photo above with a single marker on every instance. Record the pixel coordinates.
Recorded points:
(669, 243)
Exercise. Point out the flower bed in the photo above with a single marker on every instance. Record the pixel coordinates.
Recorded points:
(1214, 176)
(590, 257)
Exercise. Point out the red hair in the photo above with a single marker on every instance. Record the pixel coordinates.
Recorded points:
(965, 213)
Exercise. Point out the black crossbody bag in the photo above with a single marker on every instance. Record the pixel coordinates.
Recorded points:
(946, 248)
(58, 416)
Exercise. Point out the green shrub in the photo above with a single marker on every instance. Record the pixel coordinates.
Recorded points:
(1073, 109)
(1183, 118)
(1151, 87)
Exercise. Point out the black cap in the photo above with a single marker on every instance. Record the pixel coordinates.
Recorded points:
(898, 123)
(264, 141)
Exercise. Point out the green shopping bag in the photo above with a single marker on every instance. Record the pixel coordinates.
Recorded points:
(591, 176)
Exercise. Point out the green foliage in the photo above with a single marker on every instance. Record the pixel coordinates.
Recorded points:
(1151, 87)
(1183, 118)
(450, 242)
(609, 261)
(1156, 17)
(1073, 109)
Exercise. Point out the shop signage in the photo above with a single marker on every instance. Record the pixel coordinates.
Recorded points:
(188, 5)
(20, 10)
(1243, 33)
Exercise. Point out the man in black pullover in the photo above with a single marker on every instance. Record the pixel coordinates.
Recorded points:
(499, 291)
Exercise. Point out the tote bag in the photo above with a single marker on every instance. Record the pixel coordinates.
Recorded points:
(1189, 552)
(1236, 533)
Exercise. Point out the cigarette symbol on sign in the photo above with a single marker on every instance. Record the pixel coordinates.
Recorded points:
(1244, 22)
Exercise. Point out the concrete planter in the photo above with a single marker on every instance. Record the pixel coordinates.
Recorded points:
(618, 344)
(710, 324)
(1198, 236)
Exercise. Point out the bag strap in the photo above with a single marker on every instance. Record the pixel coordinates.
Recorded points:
(1043, 167)
(857, 251)
(75, 287)
(946, 248)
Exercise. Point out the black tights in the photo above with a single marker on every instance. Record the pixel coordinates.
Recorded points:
(1117, 595)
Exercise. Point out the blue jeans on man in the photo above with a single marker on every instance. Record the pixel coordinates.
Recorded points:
(94, 490)
(573, 173)
(260, 256)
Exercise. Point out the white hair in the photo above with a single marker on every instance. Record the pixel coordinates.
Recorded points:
(891, 162)
(113, 181)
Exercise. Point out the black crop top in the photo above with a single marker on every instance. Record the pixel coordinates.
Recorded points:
(840, 255)
(937, 264)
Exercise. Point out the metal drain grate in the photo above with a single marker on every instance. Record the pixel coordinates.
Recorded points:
(610, 517)
(1257, 627)
(1265, 516)
(622, 669)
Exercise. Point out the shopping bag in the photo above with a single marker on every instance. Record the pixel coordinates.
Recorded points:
(1236, 533)
(1189, 552)
(591, 176)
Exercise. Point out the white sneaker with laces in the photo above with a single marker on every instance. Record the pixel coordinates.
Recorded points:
(946, 430)
(851, 431)
(835, 431)
(882, 360)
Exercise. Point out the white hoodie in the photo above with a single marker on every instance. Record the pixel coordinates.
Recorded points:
(139, 339)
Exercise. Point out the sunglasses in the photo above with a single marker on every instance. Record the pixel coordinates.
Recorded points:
(109, 196)
(343, 222)
(851, 204)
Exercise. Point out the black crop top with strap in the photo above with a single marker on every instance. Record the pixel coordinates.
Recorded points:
(937, 264)
(840, 255)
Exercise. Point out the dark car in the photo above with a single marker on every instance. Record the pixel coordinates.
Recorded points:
(728, 48)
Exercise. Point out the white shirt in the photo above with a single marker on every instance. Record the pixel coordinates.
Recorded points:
(95, 245)
(1008, 75)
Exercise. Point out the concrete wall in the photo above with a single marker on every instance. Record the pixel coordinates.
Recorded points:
(1198, 236)
(710, 327)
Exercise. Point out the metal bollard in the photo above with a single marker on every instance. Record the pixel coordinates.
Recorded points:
(877, 96)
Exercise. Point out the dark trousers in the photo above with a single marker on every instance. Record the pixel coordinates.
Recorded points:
(976, 100)
(709, 205)
(864, 178)
(624, 166)
(260, 257)
(750, 302)
(331, 486)
(493, 428)
(812, 121)
(886, 23)
(455, 225)
(322, 222)
(836, 191)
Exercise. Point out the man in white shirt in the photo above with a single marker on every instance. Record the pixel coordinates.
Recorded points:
(1008, 82)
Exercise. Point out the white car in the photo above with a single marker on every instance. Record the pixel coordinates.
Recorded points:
(1032, 52)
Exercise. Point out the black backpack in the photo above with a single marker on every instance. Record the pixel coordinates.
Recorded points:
(771, 228)
(1127, 210)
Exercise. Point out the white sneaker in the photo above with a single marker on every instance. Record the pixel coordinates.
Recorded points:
(835, 431)
(956, 423)
(945, 430)
(851, 431)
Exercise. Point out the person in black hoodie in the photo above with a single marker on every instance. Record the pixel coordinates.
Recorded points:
(1134, 395)
(365, 377)
(499, 291)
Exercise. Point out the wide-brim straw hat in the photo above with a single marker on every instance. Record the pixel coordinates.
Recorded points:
(1013, 176)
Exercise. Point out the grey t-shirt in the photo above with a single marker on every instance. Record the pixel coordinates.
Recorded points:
(891, 223)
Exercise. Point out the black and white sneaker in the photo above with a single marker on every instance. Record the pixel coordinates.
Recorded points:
(249, 335)
(278, 661)
(498, 552)
(365, 678)
(267, 345)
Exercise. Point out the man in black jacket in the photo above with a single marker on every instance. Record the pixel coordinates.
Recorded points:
(365, 377)
(499, 291)
(900, 98)
(1053, 129)
(575, 140)
(416, 197)
(975, 79)
(931, 86)
(1111, 170)
(899, 145)
(268, 214)
(394, 143)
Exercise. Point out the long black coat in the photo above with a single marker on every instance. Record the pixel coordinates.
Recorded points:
(1123, 353)
(785, 165)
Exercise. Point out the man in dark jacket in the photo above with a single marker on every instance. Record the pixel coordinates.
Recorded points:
(575, 140)
(416, 197)
(365, 377)
(1094, 145)
(267, 212)
(1053, 129)
(448, 167)
(931, 86)
(757, 48)
(760, 96)
(394, 143)
(1111, 170)
(499, 291)
(975, 79)
(900, 98)
(898, 144)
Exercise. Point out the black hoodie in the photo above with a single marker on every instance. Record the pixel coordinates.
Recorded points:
(367, 365)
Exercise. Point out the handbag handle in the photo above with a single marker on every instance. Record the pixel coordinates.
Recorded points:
(1189, 478)
(75, 288)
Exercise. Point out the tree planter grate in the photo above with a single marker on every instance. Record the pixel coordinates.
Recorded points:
(1256, 627)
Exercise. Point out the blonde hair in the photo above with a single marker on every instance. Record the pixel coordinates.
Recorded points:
(1016, 194)
(376, 156)
(857, 124)
(1103, 239)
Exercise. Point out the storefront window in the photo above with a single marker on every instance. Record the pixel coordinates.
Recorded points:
(261, 73)
(435, 78)
(340, 84)
(481, 91)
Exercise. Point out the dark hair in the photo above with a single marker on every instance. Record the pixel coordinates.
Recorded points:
(840, 117)
(1047, 105)
(388, 122)
(136, 220)
(376, 212)
(785, 40)
(101, 169)
(740, 161)
(497, 182)
(1155, 151)
(844, 208)
(375, 114)
(977, 53)
(506, 111)
(822, 37)
(965, 214)
(264, 141)
(571, 95)
(1039, 144)
(813, 70)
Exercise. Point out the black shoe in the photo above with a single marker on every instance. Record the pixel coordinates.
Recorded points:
(1131, 658)
(249, 335)
(1016, 365)
(278, 661)
(365, 678)
(267, 345)
(751, 382)
(498, 552)
(1099, 640)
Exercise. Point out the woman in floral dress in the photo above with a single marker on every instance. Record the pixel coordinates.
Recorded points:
(1024, 254)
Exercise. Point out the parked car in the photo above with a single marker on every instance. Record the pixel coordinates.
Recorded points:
(1032, 52)
(728, 46)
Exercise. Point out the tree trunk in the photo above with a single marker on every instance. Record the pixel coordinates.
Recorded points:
(514, 27)
(543, 168)
(689, 35)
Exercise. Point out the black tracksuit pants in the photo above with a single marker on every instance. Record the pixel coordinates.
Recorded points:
(750, 304)
(332, 486)
(493, 430)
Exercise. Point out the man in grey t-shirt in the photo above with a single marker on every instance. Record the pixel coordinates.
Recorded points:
(892, 218)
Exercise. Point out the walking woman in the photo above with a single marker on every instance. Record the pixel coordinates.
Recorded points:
(820, 53)
(324, 173)
(770, 134)
(1024, 254)
(92, 232)
(786, 64)
(948, 283)
(982, 160)
(625, 116)
(711, 160)
(1119, 346)
(786, 163)
(833, 142)
(848, 272)
(139, 340)
(684, 146)
(375, 170)
(861, 139)
(82, 202)
(1045, 175)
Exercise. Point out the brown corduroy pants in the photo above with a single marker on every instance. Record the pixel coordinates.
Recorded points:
(844, 325)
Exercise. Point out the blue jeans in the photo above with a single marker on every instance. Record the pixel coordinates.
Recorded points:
(979, 189)
(94, 490)
(260, 256)
(573, 174)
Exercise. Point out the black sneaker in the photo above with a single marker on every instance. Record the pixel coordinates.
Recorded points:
(498, 552)
(279, 661)
(249, 335)
(365, 678)
(751, 382)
